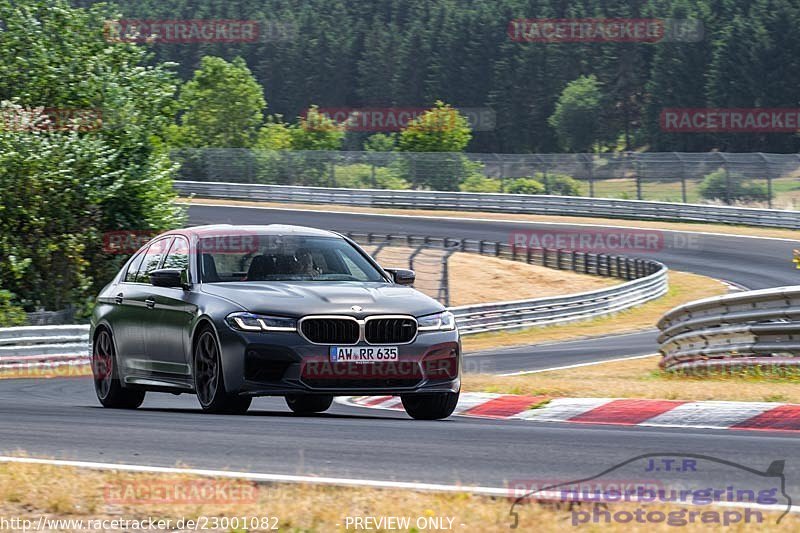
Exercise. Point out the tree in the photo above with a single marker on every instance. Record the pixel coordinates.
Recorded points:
(64, 187)
(440, 129)
(315, 131)
(575, 116)
(222, 106)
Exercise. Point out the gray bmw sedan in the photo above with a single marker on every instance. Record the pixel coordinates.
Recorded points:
(233, 312)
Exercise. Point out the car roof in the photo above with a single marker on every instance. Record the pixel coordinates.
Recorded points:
(215, 230)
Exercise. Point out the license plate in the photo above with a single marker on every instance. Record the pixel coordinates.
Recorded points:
(363, 354)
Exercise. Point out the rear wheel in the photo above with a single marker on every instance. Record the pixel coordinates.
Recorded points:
(430, 406)
(309, 403)
(208, 381)
(107, 385)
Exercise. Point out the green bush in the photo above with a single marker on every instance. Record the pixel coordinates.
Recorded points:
(524, 186)
(478, 183)
(10, 314)
(732, 188)
(359, 176)
(561, 185)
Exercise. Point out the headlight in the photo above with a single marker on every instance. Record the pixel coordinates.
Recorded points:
(444, 321)
(251, 322)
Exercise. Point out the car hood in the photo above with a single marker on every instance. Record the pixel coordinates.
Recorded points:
(296, 299)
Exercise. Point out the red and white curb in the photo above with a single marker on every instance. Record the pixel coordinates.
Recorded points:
(767, 416)
(476, 404)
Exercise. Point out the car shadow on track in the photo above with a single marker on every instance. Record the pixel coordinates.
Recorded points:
(257, 413)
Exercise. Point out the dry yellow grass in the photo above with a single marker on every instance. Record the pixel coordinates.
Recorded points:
(637, 378)
(654, 224)
(30, 491)
(684, 287)
(478, 279)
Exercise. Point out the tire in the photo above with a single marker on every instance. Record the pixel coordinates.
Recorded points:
(430, 406)
(209, 384)
(107, 384)
(305, 404)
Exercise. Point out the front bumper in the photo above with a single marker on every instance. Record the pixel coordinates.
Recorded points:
(280, 363)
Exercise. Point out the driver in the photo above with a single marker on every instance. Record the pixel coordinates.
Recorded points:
(304, 263)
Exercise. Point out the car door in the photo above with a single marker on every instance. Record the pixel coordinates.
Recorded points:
(127, 318)
(145, 315)
(167, 334)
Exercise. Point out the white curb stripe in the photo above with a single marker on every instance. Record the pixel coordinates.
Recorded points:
(712, 414)
(562, 409)
(473, 399)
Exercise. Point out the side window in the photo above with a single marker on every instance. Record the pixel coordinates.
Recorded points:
(152, 257)
(133, 268)
(178, 256)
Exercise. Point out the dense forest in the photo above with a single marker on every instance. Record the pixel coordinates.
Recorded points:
(369, 53)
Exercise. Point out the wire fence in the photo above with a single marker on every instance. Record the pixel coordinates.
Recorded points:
(751, 179)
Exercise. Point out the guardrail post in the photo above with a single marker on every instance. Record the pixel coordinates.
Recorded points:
(572, 260)
(558, 258)
(444, 285)
(638, 179)
(528, 252)
(544, 256)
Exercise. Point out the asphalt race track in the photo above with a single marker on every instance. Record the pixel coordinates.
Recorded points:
(61, 418)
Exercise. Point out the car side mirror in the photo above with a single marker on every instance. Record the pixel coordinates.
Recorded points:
(402, 276)
(169, 277)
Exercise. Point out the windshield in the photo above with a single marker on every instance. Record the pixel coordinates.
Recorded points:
(237, 258)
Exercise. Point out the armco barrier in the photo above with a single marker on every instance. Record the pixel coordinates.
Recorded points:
(38, 344)
(646, 280)
(494, 202)
(747, 329)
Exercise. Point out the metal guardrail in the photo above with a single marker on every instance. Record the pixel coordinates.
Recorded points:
(22, 345)
(743, 330)
(647, 280)
(760, 179)
(494, 202)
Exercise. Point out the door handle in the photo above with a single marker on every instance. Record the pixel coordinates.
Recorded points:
(118, 298)
(150, 303)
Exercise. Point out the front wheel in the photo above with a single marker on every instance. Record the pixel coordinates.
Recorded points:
(208, 381)
(106, 377)
(308, 403)
(430, 406)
